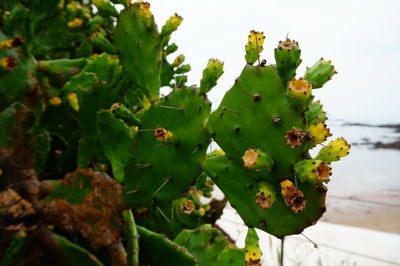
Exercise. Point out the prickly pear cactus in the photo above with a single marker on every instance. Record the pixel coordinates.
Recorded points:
(98, 168)
(266, 124)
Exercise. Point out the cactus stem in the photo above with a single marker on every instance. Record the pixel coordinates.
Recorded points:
(162, 185)
(162, 214)
(143, 165)
(230, 110)
(172, 107)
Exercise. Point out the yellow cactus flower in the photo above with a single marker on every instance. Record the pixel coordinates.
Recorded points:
(75, 23)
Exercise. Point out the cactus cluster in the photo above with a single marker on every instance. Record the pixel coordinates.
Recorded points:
(93, 158)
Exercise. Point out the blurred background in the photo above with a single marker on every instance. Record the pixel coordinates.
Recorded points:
(362, 38)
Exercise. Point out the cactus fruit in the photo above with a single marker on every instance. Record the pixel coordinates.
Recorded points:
(211, 74)
(334, 151)
(320, 73)
(287, 57)
(253, 252)
(254, 46)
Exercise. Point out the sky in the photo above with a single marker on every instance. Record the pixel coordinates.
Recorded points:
(362, 38)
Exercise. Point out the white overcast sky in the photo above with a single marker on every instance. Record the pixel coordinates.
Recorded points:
(361, 37)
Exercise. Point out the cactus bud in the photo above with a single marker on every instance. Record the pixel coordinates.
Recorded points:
(73, 100)
(266, 196)
(100, 41)
(171, 25)
(183, 69)
(144, 12)
(257, 159)
(254, 46)
(8, 63)
(335, 150)
(211, 74)
(178, 60)
(320, 73)
(171, 48)
(312, 171)
(55, 101)
(299, 94)
(315, 114)
(294, 198)
(287, 57)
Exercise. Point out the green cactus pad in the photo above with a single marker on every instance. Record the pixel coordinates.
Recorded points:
(116, 138)
(287, 57)
(230, 257)
(320, 73)
(12, 252)
(156, 249)
(139, 46)
(75, 254)
(240, 189)
(161, 170)
(205, 243)
(254, 113)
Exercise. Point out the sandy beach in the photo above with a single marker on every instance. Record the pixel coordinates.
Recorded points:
(365, 215)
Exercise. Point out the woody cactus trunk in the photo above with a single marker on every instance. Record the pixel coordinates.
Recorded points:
(98, 168)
